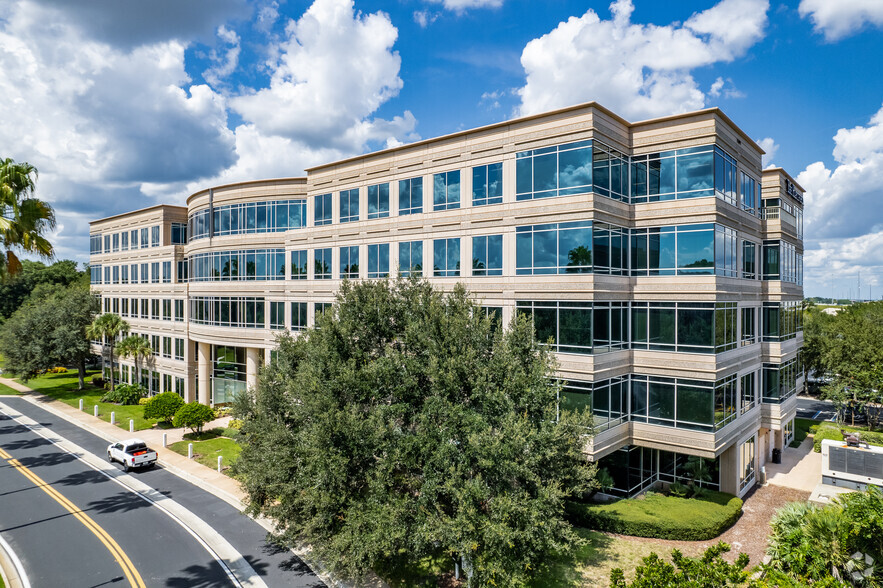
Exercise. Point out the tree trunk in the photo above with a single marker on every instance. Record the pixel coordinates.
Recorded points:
(81, 371)
(111, 368)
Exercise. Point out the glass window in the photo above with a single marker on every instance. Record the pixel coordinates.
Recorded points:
(446, 190)
(154, 236)
(322, 264)
(116, 242)
(749, 392)
(554, 248)
(228, 311)
(166, 272)
(579, 327)
(299, 265)
(277, 315)
(446, 257)
(298, 316)
(349, 262)
(411, 196)
(411, 258)
(244, 265)
(179, 234)
(695, 405)
(107, 243)
(695, 251)
(349, 205)
(378, 200)
(554, 171)
(166, 310)
(145, 238)
(179, 310)
(749, 260)
(487, 184)
(749, 330)
(378, 260)
(746, 464)
(487, 255)
(322, 210)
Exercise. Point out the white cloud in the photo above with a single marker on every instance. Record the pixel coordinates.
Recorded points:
(461, 6)
(771, 148)
(837, 19)
(334, 69)
(844, 219)
(225, 62)
(424, 18)
(639, 71)
(114, 122)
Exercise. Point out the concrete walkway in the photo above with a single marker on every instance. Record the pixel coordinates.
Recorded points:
(210, 480)
(801, 468)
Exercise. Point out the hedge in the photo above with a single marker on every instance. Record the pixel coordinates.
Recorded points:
(660, 517)
(830, 430)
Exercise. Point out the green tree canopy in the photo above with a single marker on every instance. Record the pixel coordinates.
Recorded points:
(108, 327)
(34, 278)
(193, 415)
(23, 218)
(846, 346)
(48, 331)
(406, 425)
(163, 407)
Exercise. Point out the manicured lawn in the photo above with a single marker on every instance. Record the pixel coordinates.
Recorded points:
(660, 516)
(6, 390)
(207, 450)
(801, 430)
(591, 565)
(63, 387)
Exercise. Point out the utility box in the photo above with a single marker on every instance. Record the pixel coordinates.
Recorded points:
(849, 466)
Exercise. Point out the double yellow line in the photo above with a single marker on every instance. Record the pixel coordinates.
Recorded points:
(115, 550)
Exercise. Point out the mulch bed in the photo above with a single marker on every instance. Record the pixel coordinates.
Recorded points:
(749, 534)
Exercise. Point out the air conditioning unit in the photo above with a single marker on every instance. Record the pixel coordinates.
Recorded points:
(850, 465)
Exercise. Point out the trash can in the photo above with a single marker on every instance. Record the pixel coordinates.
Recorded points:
(777, 456)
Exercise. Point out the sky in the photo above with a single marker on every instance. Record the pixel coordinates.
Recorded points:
(123, 104)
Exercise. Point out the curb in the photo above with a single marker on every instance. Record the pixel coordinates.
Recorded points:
(11, 568)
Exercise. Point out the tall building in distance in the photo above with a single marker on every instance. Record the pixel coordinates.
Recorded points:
(658, 257)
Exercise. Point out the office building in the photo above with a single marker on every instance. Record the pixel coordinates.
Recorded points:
(661, 259)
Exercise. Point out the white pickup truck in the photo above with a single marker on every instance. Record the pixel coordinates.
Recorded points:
(132, 453)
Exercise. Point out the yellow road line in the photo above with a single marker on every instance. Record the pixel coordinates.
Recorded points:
(115, 550)
(4, 455)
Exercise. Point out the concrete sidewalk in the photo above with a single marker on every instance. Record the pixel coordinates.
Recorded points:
(801, 468)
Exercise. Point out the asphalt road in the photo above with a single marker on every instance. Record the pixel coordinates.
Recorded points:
(58, 548)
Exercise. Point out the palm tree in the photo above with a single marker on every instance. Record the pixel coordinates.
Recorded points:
(108, 327)
(23, 218)
(137, 347)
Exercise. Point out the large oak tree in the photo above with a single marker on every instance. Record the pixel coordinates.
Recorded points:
(408, 425)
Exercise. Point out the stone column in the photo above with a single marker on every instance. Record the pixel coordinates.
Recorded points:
(204, 381)
(252, 363)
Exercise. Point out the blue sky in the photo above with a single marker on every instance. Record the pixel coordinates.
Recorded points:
(122, 105)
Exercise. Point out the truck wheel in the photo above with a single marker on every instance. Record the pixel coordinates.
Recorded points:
(126, 467)
(109, 457)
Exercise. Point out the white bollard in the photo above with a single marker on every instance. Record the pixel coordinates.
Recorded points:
(95, 411)
(113, 418)
(165, 439)
(81, 404)
(131, 425)
(220, 457)
(190, 451)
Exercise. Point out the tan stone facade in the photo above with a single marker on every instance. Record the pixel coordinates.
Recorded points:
(727, 214)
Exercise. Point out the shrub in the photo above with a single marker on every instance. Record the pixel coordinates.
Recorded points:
(143, 401)
(230, 432)
(57, 370)
(235, 424)
(163, 407)
(125, 394)
(98, 381)
(193, 416)
(222, 411)
(825, 432)
(661, 517)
